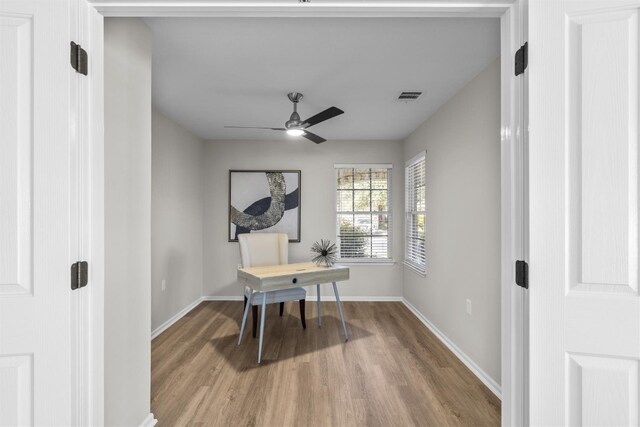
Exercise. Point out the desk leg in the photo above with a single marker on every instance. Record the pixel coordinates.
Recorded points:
(264, 306)
(344, 326)
(319, 306)
(244, 317)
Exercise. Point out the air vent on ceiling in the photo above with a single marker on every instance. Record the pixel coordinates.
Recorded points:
(409, 96)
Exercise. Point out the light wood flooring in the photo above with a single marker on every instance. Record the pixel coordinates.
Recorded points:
(392, 372)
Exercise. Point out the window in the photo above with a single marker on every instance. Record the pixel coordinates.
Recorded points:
(363, 218)
(415, 213)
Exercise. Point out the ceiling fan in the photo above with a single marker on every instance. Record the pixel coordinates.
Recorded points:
(296, 127)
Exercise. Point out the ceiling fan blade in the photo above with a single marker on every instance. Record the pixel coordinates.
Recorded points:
(252, 127)
(322, 116)
(313, 137)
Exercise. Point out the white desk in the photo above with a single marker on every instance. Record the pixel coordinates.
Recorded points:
(274, 277)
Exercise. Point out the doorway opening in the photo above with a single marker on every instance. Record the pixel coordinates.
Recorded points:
(504, 65)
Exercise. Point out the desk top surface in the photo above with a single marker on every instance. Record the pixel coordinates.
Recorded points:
(268, 271)
(274, 277)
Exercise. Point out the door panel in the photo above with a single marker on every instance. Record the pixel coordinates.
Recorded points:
(16, 392)
(603, 391)
(584, 300)
(16, 165)
(37, 196)
(603, 161)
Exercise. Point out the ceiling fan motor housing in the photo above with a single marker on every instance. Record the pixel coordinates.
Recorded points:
(294, 119)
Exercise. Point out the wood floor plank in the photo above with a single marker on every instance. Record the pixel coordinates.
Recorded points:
(392, 372)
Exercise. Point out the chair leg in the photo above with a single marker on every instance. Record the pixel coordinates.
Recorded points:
(302, 315)
(281, 308)
(254, 318)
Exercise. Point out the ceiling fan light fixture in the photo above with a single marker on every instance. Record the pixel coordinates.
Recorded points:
(296, 127)
(295, 132)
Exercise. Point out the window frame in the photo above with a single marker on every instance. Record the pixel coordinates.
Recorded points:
(389, 167)
(411, 262)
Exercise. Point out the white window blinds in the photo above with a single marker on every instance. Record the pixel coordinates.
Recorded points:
(363, 211)
(415, 213)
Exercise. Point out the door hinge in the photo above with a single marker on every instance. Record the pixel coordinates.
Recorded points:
(522, 59)
(522, 274)
(79, 58)
(79, 274)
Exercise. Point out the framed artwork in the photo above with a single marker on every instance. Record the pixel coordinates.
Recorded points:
(265, 201)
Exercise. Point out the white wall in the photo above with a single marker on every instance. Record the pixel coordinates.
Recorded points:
(317, 204)
(176, 221)
(463, 220)
(127, 145)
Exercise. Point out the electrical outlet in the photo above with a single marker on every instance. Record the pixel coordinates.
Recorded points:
(469, 308)
(164, 285)
(239, 266)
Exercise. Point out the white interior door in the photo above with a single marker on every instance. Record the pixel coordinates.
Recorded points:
(37, 204)
(584, 301)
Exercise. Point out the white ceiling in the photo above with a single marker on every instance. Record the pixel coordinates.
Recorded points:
(212, 72)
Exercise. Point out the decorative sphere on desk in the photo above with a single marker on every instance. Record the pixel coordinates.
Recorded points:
(324, 253)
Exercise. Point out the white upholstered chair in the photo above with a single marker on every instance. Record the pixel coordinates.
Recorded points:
(258, 249)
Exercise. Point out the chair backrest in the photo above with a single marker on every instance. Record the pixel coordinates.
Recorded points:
(257, 249)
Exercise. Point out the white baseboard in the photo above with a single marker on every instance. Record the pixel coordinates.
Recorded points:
(150, 421)
(222, 298)
(313, 298)
(482, 375)
(356, 298)
(179, 315)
